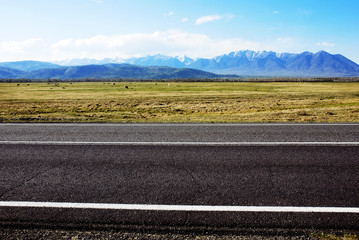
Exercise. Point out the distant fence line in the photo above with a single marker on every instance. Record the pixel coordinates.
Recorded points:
(244, 79)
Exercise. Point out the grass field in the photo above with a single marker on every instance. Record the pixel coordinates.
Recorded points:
(179, 102)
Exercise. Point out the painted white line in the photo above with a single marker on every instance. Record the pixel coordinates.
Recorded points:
(192, 208)
(183, 143)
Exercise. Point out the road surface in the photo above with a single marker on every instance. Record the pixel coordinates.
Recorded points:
(219, 175)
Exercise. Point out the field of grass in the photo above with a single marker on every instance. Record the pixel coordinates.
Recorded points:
(179, 102)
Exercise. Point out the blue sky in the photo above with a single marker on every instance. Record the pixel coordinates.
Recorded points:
(50, 30)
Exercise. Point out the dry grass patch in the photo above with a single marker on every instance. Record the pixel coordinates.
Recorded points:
(179, 102)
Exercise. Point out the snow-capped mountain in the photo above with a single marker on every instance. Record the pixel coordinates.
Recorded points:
(246, 62)
(184, 59)
(265, 63)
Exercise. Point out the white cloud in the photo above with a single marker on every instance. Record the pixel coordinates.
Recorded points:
(275, 12)
(171, 43)
(206, 19)
(325, 44)
(170, 13)
(127, 45)
(63, 43)
(22, 50)
(19, 46)
(184, 19)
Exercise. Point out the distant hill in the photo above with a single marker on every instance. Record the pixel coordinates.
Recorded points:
(10, 73)
(242, 63)
(28, 65)
(263, 63)
(112, 71)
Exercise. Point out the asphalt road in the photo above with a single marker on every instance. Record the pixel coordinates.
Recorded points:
(181, 132)
(43, 163)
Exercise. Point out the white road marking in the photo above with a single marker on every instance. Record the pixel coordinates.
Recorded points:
(182, 143)
(195, 208)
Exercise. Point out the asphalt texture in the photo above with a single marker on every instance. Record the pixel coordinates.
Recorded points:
(290, 175)
(181, 132)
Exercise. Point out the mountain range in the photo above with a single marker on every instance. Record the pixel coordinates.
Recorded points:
(252, 63)
(242, 63)
(107, 71)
